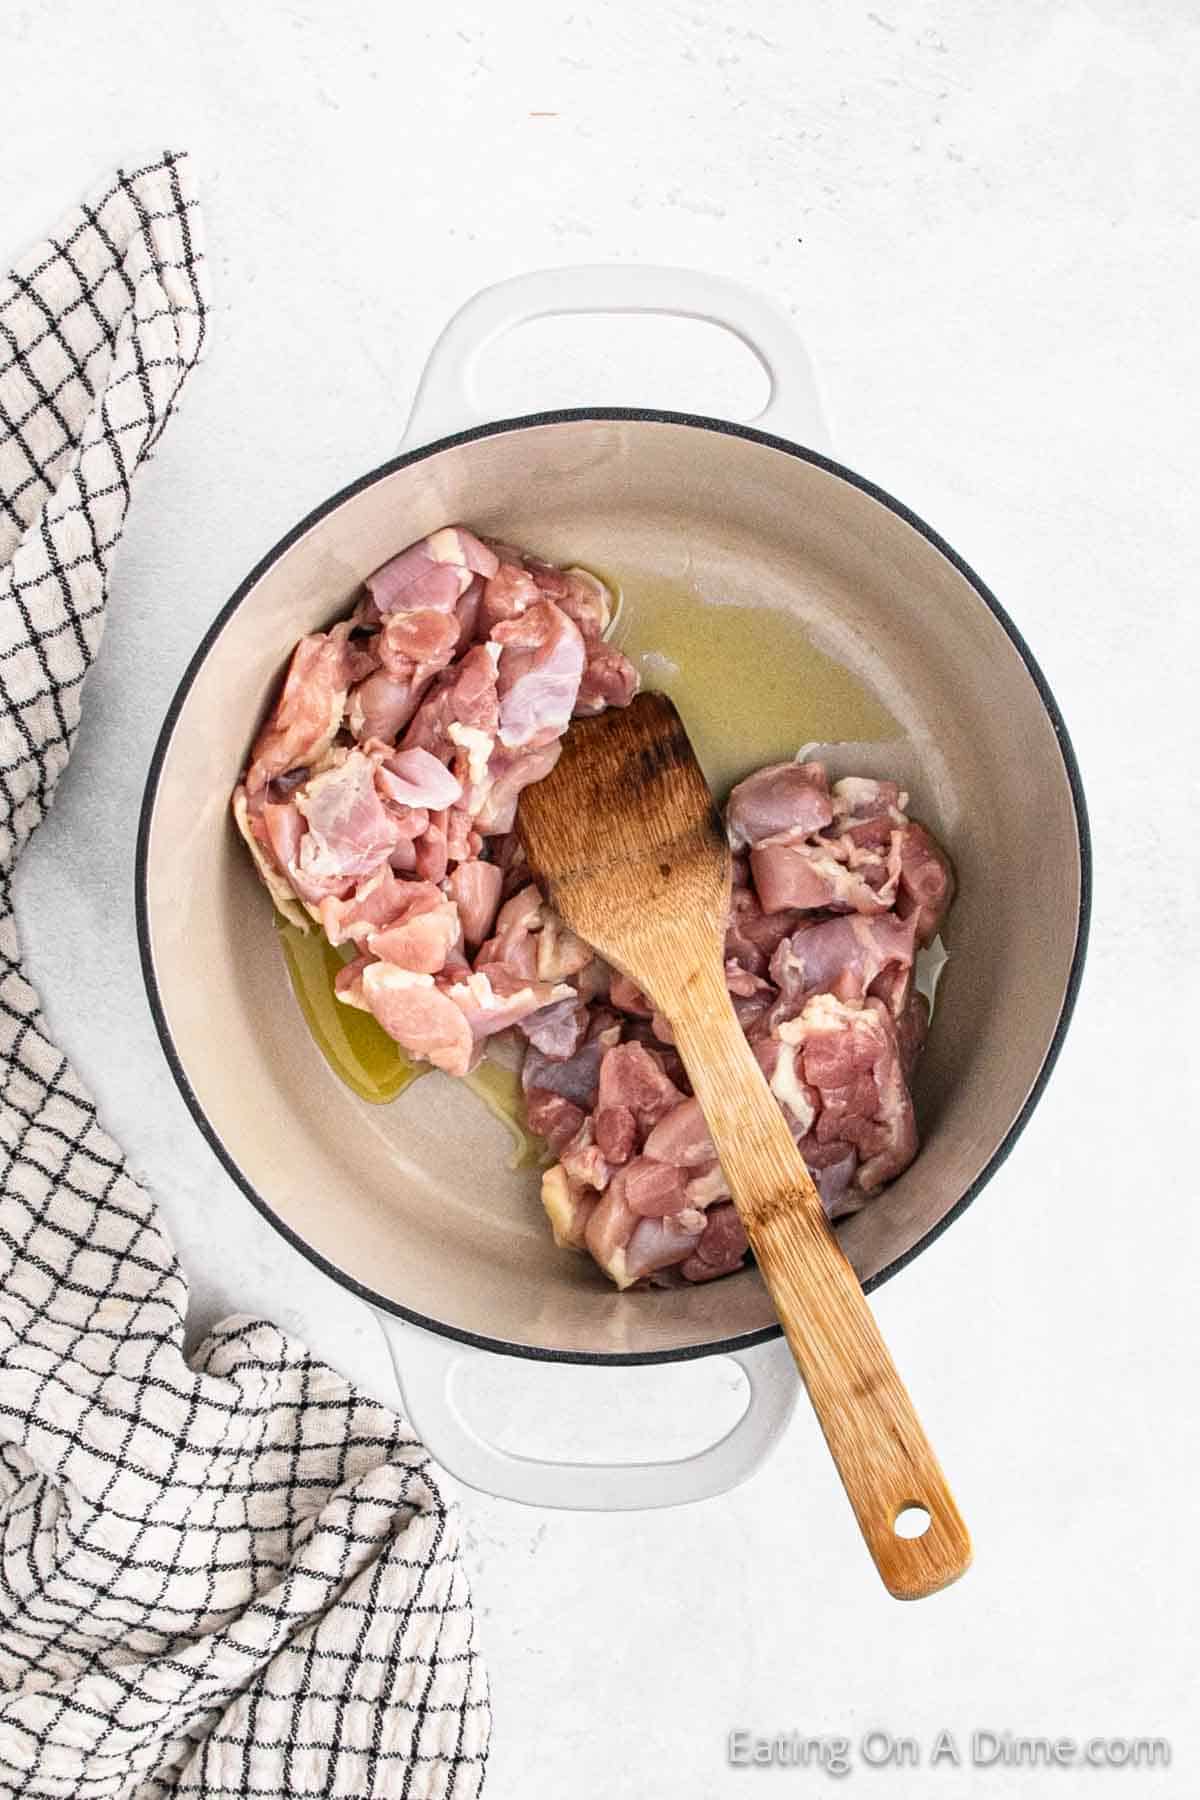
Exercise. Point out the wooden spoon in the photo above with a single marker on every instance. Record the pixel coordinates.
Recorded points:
(630, 850)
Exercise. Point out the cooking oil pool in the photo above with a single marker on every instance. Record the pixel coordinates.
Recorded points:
(360, 1051)
(749, 682)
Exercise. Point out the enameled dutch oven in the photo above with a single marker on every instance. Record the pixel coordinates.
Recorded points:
(412, 1205)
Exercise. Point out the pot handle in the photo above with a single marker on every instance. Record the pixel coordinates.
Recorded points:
(425, 1366)
(446, 399)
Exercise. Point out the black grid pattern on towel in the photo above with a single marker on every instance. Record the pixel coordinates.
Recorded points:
(229, 1577)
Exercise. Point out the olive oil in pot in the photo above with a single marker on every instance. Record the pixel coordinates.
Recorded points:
(749, 682)
(353, 1043)
(361, 1053)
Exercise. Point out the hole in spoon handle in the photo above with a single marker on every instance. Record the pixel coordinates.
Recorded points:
(911, 1521)
(919, 1543)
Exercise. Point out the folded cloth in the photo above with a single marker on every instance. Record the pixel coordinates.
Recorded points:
(235, 1576)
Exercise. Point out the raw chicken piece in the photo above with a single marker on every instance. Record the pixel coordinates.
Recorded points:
(411, 1009)
(463, 842)
(315, 890)
(654, 1189)
(609, 1229)
(513, 943)
(681, 1137)
(584, 1161)
(541, 662)
(662, 1243)
(522, 578)
(421, 935)
(508, 771)
(627, 997)
(475, 889)
(814, 848)
(415, 778)
(431, 852)
(784, 797)
(553, 1118)
(568, 1207)
(723, 1243)
(560, 954)
(413, 641)
(753, 936)
(608, 679)
(832, 1167)
(412, 647)
(376, 902)
(532, 941)
(616, 1134)
(644, 1032)
(752, 996)
(705, 1186)
(462, 695)
(466, 611)
(350, 831)
(493, 998)
(742, 985)
(558, 1030)
(912, 1028)
(780, 1063)
(431, 574)
(348, 983)
(308, 712)
(508, 592)
(845, 956)
(381, 706)
(629, 1247)
(926, 881)
(858, 797)
(552, 583)
(283, 826)
(634, 1092)
(632, 1077)
(584, 598)
(273, 878)
(851, 1056)
(576, 1077)
(791, 873)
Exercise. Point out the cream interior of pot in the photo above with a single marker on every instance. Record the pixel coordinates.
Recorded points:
(415, 1201)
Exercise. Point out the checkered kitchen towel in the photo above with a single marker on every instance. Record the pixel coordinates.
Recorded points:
(235, 1577)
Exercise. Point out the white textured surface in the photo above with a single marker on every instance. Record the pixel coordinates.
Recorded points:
(986, 221)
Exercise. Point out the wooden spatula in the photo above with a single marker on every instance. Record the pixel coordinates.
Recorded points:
(629, 848)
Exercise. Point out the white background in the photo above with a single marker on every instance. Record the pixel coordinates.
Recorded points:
(985, 221)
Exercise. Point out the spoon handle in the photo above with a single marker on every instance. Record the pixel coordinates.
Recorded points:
(885, 1461)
